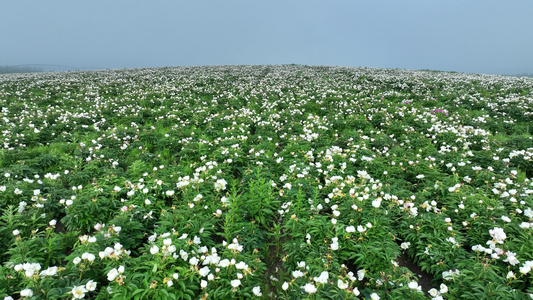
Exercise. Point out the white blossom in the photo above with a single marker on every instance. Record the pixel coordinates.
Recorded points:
(78, 292)
(309, 288)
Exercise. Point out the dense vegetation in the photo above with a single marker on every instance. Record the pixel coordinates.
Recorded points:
(266, 181)
(19, 69)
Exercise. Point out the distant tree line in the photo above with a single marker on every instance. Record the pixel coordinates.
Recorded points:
(19, 69)
(524, 75)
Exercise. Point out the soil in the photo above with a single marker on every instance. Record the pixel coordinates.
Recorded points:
(424, 278)
(274, 263)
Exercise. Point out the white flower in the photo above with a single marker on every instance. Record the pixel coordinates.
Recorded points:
(22, 205)
(511, 258)
(241, 266)
(447, 275)
(170, 283)
(197, 241)
(171, 249)
(16, 232)
(297, 273)
(154, 249)
(117, 246)
(79, 292)
(433, 292)
(204, 271)
(224, 263)
(528, 212)
(169, 192)
(525, 269)
(335, 244)
(443, 288)
(285, 286)
(356, 291)
(194, 261)
(510, 275)
(235, 283)
(26, 293)
(90, 285)
(112, 274)
(374, 296)
(309, 288)
(31, 268)
(361, 274)
(350, 229)
(414, 285)
(498, 234)
(420, 176)
(376, 203)
(405, 246)
(220, 185)
(51, 271)
(91, 257)
(203, 283)
(98, 226)
(257, 291)
(342, 285)
(76, 260)
(323, 278)
(2, 188)
(88, 256)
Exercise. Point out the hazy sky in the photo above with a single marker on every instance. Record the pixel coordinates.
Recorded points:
(473, 36)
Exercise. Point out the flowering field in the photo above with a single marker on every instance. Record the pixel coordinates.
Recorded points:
(287, 182)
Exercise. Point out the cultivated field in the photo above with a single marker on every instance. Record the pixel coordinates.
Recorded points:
(288, 182)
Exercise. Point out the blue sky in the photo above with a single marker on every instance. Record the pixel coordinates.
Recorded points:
(474, 36)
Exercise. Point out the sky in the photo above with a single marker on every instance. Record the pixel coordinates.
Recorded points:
(467, 36)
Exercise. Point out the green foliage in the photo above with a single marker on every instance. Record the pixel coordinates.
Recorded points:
(234, 182)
